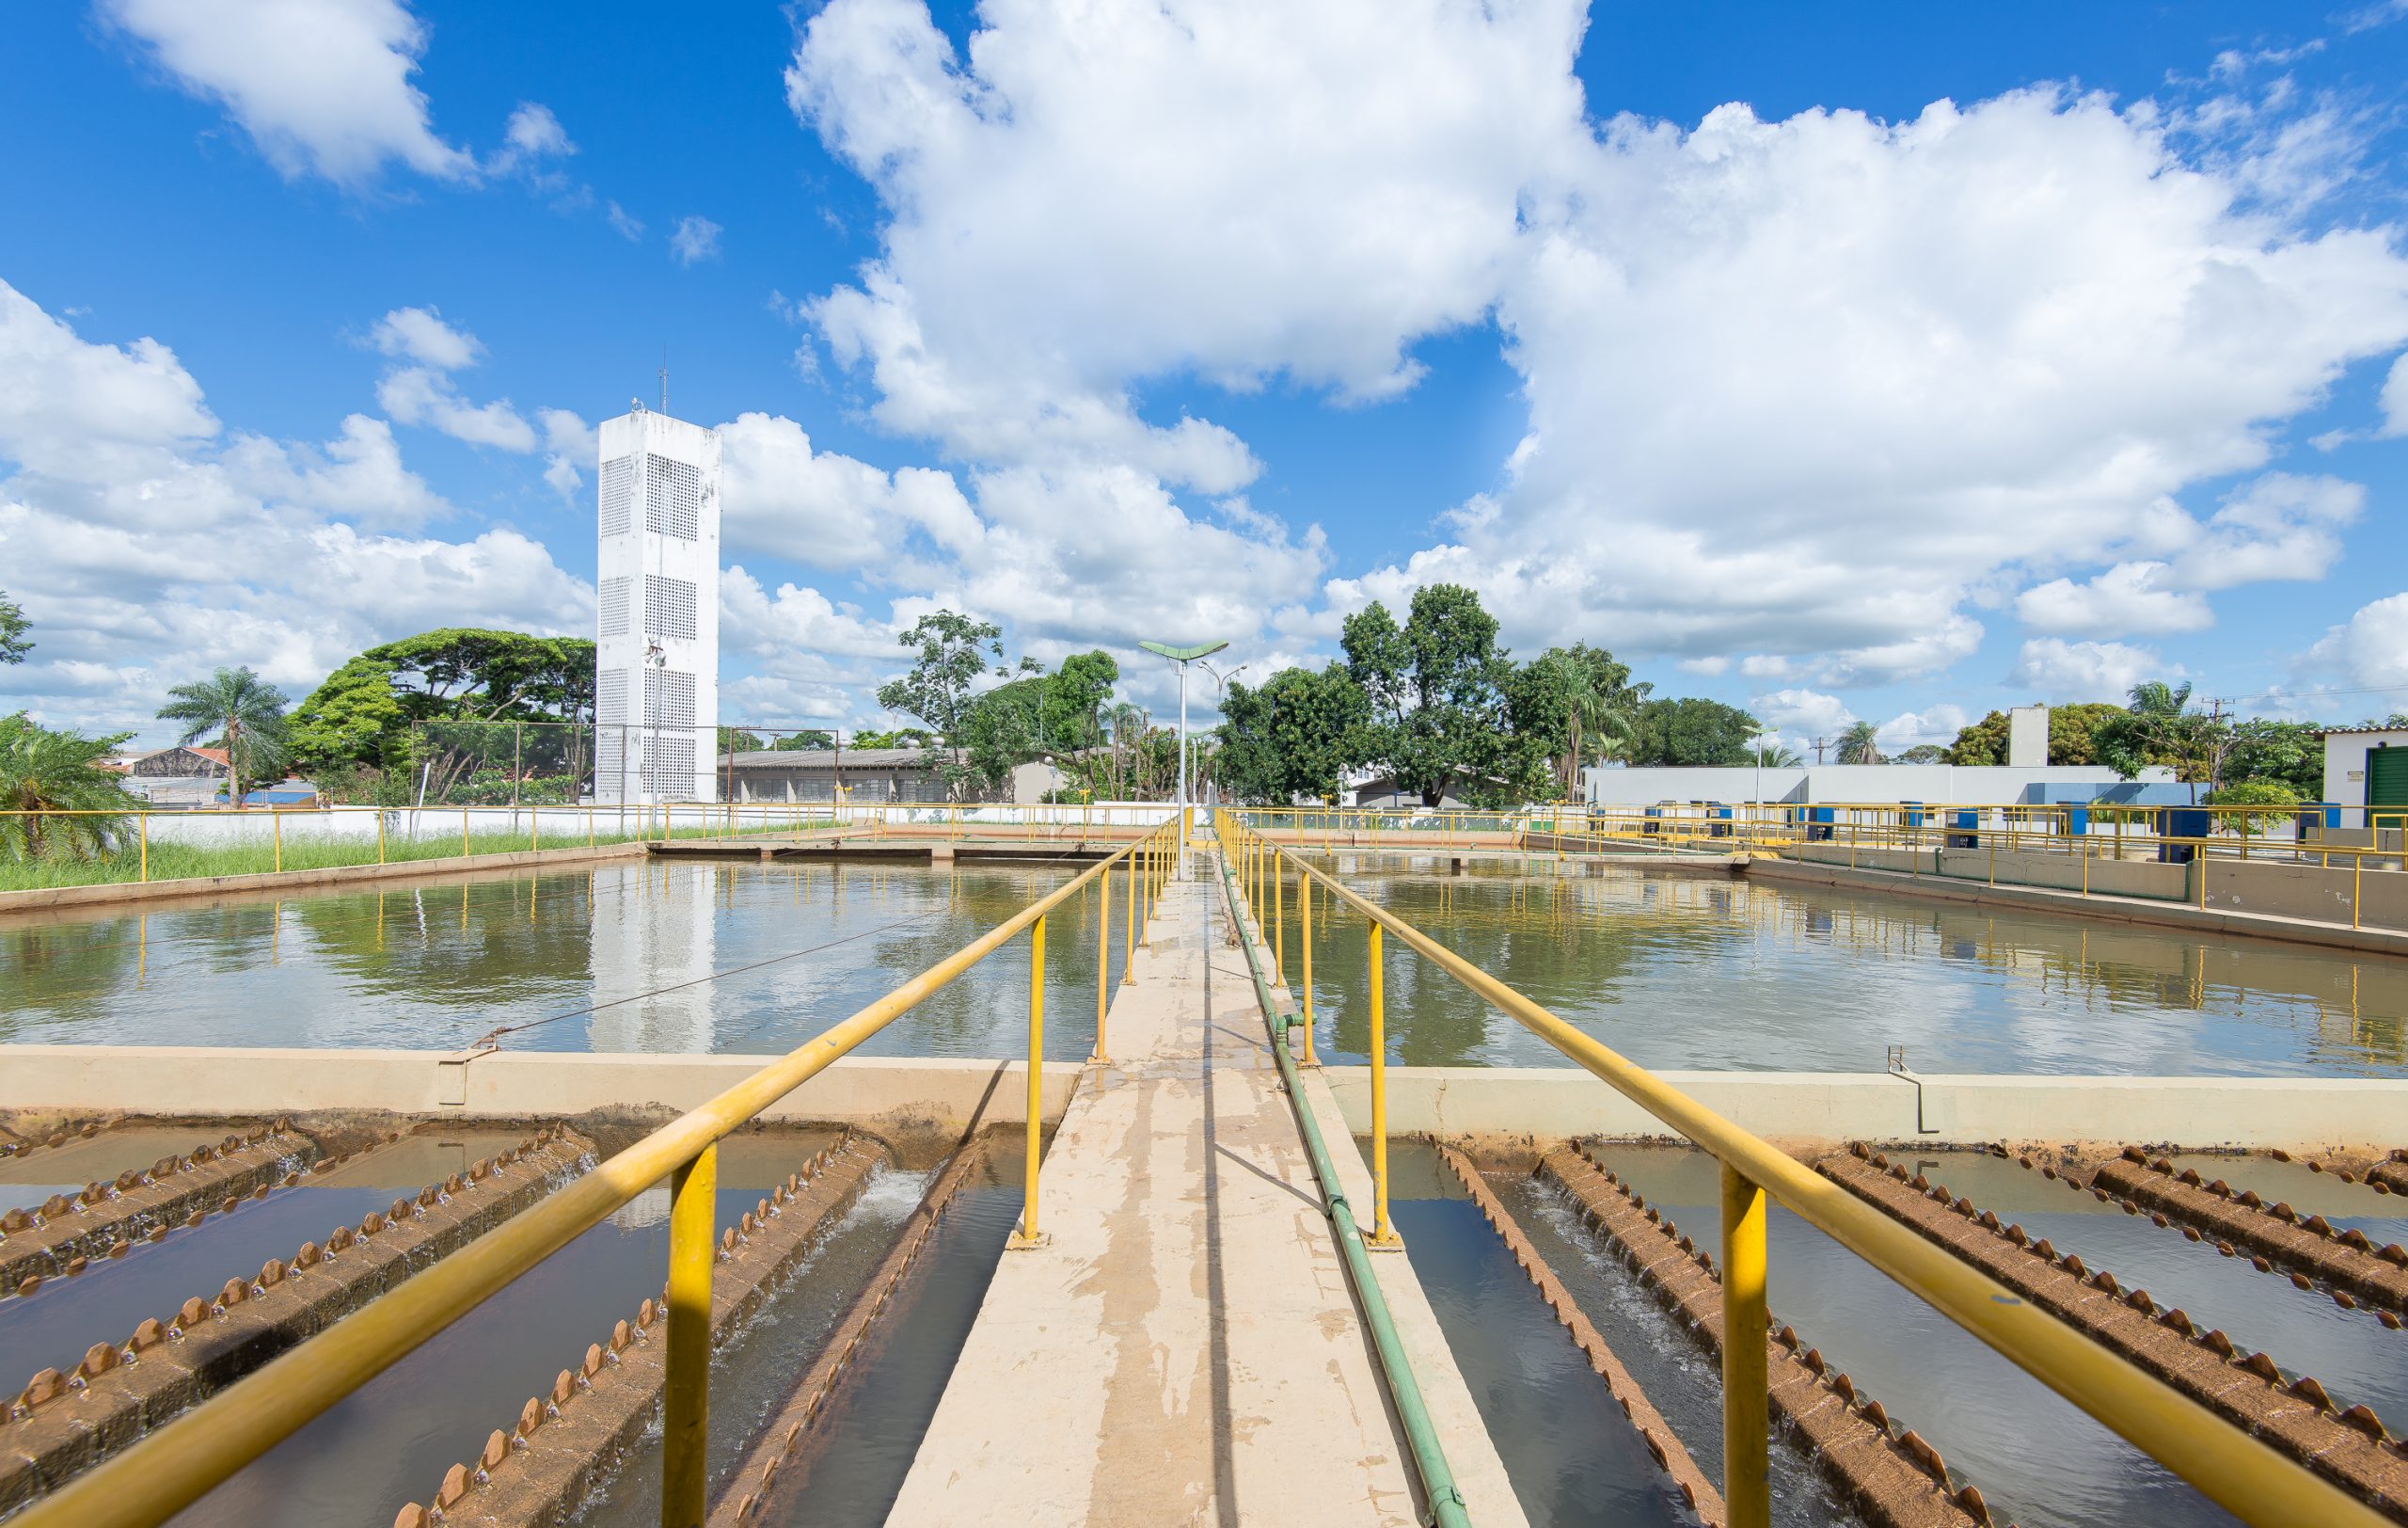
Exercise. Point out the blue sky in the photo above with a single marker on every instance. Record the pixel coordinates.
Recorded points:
(1699, 333)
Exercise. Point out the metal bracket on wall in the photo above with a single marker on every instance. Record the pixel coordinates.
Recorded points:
(452, 1088)
(1897, 1068)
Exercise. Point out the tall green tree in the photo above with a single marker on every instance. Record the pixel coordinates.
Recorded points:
(13, 642)
(1600, 707)
(53, 795)
(1295, 735)
(1861, 743)
(462, 701)
(1693, 731)
(246, 715)
(2073, 735)
(354, 720)
(2286, 754)
(1436, 689)
(942, 681)
(469, 674)
(2158, 725)
(1038, 716)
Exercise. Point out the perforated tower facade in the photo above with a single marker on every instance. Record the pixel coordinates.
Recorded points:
(656, 655)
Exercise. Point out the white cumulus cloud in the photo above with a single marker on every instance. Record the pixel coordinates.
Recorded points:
(694, 239)
(2371, 648)
(2073, 671)
(148, 547)
(322, 86)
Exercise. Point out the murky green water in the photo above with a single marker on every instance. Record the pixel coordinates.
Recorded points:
(1674, 971)
(795, 947)
(1717, 972)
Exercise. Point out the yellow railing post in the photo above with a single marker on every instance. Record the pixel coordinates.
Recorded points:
(1383, 1234)
(1103, 962)
(1305, 943)
(276, 831)
(464, 833)
(1278, 921)
(1028, 1234)
(1746, 1491)
(142, 826)
(1129, 931)
(693, 1254)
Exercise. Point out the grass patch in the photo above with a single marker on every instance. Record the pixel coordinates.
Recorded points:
(300, 851)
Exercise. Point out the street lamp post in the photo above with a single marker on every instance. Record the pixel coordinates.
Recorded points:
(1182, 657)
(1221, 683)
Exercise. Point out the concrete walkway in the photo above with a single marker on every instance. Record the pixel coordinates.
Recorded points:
(1185, 1348)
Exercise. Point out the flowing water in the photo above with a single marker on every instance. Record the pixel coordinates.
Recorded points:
(390, 1441)
(2038, 1460)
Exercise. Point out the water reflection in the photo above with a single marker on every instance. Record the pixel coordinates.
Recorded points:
(1684, 971)
(557, 957)
(1674, 971)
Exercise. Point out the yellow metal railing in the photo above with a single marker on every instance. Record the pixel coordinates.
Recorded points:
(2238, 1472)
(171, 1467)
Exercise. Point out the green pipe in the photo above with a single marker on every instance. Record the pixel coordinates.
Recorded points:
(1420, 1434)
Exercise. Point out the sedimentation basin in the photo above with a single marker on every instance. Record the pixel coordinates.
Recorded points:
(608, 997)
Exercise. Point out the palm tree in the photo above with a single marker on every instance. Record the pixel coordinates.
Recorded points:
(1860, 745)
(44, 773)
(1773, 755)
(245, 712)
(1600, 715)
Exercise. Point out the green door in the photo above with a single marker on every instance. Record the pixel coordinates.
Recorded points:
(2387, 777)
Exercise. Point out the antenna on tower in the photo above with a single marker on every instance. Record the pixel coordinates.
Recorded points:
(664, 379)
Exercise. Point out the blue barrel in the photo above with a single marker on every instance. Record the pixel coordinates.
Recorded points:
(1720, 816)
(1964, 835)
(2077, 820)
(1819, 824)
(2182, 822)
(1914, 813)
(1652, 824)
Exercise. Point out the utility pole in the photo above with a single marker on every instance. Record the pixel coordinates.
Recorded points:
(1818, 749)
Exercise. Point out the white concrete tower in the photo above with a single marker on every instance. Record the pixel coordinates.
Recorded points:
(657, 657)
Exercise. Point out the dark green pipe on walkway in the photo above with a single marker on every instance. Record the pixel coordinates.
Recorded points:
(1446, 1499)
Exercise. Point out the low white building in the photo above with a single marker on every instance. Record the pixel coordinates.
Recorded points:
(2366, 768)
(1967, 785)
